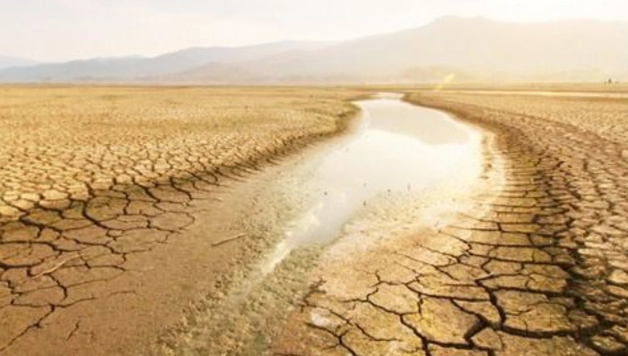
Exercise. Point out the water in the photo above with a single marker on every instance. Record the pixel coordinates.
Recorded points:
(396, 148)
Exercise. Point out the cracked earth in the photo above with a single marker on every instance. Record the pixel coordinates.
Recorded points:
(108, 195)
(110, 198)
(537, 266)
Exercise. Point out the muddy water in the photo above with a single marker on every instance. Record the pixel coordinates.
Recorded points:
(394, 148)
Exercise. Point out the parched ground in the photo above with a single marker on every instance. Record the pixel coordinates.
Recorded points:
(538, 266)
(106, 200)
(59, 145)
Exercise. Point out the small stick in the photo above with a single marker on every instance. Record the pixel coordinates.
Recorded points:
(50, 270)
(218, 243)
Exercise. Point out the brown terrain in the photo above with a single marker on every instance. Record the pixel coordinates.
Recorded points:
(109, 203)
(117, 214)
(537, 265)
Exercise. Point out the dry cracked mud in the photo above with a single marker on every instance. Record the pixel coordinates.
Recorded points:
(538, 265)
(107, 197)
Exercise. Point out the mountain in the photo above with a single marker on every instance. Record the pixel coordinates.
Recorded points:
(8, 62)
(473, 49)
(134, 68)
(462, 49)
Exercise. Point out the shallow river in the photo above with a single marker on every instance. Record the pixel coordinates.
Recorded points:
(395, 147)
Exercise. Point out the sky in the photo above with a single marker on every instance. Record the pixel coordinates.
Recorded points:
(58, 30)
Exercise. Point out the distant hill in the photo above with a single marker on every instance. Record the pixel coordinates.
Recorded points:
(131, 69)
(8, 61)
(474, 49)
(465, 49)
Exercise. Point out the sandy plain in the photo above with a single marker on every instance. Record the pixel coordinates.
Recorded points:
(106, 216)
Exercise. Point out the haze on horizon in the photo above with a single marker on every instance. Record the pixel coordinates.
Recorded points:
(59, 30)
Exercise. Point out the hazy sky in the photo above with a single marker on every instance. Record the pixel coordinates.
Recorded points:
(70, 29)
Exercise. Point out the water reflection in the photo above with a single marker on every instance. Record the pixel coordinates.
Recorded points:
(396, 148)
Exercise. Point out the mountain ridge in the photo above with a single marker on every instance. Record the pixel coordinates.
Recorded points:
(471, 49)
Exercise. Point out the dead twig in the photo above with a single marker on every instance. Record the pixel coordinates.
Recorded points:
(229, 239)
(51, 269)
